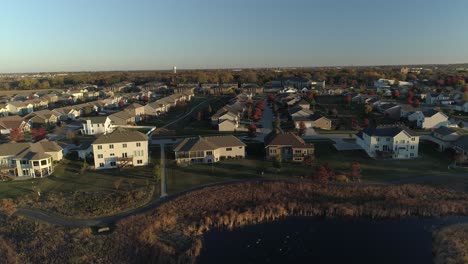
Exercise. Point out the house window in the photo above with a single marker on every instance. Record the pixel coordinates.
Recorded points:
(378, 139)
(24, 162)
(112, 163)
(240, 147)
(388, 139)
(376, 146)
(124, 155)
(412, 147)
(124, 145)
(413, 139)
(101, 164)
(138, 144)
(43, 162)
(228, 149)
(139, 161)
(209, 153)
(411, 154)
(112, 154)
(100, 156)
(36, 163)
(111, 146)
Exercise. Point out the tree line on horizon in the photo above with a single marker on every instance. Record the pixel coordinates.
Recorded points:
(350, 76)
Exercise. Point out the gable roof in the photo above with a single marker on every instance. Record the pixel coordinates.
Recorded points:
(121, 135)
(444, 131)
(386, 131)
(285, 139)
(11, 122)
(208, 143)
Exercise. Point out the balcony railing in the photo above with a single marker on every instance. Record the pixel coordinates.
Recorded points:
(128, 158)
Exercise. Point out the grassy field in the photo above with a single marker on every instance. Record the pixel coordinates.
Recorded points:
(430, 163)
(66, 179)
(13, 92)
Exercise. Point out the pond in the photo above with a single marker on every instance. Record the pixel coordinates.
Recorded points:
(318, 240)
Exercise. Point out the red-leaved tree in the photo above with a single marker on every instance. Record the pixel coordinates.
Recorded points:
(16, 135)
(355, 171)
(38, 133)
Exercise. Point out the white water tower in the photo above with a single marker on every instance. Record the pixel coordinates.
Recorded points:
(175, 69)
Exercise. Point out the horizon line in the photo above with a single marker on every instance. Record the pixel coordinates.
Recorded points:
(236, 68)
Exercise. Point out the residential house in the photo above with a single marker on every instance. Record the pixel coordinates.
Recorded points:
(29, 159)
(20, 108)
(428, 119)
(8, 123)
(42, 117)
(389, 142)
(122, 118)
(208, 149)
(120, 149)
(136, 110)
(316, 121)
(304, 104)
(97, 125)
(226, 119)
(252, 89)
(287, 146)
(67, 113)
(390, 110)
(436, 98)
(460, 106)
(444, 137)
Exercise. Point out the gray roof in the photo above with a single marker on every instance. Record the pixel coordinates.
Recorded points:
(387, 131)
(121, 135)
(97, 119)
(444, 131)
(429, 112)
(208, 143)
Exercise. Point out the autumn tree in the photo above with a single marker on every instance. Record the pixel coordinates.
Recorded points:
(396, 93)
(202, 77)
(309, 160)
(465, 95)
(8, 207)
(355, 171)
(16, 135)
(416, 102)
(271, 98)
(38, 133)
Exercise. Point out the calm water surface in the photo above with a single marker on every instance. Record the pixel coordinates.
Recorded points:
(313, 240)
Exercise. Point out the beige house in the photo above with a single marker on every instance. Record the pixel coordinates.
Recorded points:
(288, 146)
(136, 110)
(315, 120)
(120, 149)
(208, 149)
(122, 118)
(9, 123)
(429, 119)
(43, 117)
(30, 160)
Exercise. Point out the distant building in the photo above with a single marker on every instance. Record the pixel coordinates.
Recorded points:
(121, 148)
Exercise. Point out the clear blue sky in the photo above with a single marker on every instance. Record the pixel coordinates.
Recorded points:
(73, 35)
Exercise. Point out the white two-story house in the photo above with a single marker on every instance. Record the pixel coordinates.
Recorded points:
(97, 125)
(120, 148)
(208, 149)
(429, 119)
(389, 142)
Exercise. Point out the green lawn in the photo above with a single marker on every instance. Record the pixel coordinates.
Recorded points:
(430, 162)
(66, 179)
